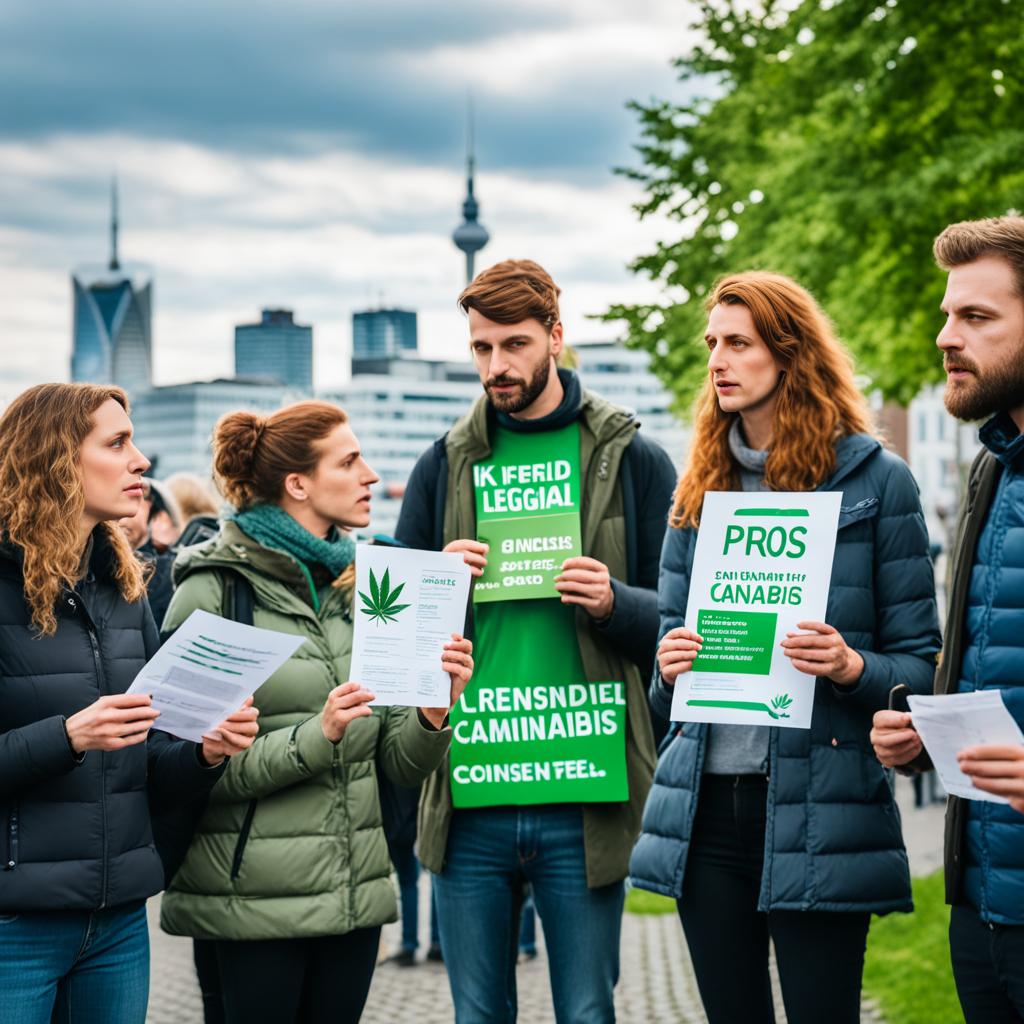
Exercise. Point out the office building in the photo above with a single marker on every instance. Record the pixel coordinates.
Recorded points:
(276, 350)
(382, 334)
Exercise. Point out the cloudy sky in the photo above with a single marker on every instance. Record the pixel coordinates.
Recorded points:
(311, 155)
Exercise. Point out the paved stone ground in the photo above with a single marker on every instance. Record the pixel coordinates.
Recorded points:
(656, 987)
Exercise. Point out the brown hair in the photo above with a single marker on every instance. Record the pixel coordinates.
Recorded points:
(970, 240)
(252, 454)
(512, 291)
(42, 498)
(817, 399)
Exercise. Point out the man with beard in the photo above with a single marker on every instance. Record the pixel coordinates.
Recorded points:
(595, 622)
(983, 354)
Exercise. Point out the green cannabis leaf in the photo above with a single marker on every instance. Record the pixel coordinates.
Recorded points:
(380, 605)
(782, 701)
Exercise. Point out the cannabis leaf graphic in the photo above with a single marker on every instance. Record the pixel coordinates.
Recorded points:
(380, 605)
(780, 702)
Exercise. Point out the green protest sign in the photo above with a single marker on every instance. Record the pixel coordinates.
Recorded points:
(539, 744)
(528, 511)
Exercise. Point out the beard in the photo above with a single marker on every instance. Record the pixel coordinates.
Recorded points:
(528, 392)
(986, 393)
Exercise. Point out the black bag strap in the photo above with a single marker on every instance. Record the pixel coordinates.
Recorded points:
(239, 598)
(174, 828)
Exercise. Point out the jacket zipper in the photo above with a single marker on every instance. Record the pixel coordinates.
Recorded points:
(94, 643)
(243, 838)
(12, 840)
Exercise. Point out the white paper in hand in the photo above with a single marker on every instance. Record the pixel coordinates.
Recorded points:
(408, 604)
(207, 669)
(951, 723)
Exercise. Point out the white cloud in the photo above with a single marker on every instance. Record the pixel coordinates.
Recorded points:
(324, 234)
(604, 42)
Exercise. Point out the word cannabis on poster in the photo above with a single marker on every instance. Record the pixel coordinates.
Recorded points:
(762, 563)
(528, 511)
(539, 744)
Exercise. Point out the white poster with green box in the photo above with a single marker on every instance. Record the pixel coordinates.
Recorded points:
(763, 562)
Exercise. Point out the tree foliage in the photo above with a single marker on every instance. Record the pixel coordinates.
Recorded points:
(830, 140)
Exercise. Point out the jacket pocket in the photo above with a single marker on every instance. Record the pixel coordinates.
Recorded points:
(243, 839)
(11, 840)
(850, 514)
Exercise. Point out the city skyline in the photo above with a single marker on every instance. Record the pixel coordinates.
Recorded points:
(332, 184)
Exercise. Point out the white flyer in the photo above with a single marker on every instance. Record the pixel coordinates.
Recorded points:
(951, 723)
(205, 671)
(762, 563)
(408, 604)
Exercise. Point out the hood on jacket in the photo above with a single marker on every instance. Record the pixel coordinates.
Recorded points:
(602, 418)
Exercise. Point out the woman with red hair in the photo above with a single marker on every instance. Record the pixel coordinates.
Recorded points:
(789, 834)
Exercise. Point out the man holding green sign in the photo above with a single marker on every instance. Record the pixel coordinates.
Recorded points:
(559, 506)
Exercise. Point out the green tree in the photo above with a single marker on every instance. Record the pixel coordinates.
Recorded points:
(831, 141)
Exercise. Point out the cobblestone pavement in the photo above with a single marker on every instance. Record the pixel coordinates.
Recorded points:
(656, 987)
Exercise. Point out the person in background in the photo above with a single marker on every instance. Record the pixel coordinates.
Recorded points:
(982, 345)
(152, 532)
(398, 810)
(789, 834)
(194, 495)
(80, 762)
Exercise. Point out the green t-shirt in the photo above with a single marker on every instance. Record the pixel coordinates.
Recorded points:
(530, 728)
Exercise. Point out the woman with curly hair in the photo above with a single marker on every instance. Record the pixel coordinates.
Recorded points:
(80, 764)
(288, 874)
(789, 834)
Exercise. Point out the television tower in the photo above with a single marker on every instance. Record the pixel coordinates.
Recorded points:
(470, 236)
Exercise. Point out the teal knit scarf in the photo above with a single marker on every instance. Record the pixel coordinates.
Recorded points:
(274, 528)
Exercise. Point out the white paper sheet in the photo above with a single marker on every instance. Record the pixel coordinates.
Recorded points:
(207, 669)
(404, 615)
(949, 724)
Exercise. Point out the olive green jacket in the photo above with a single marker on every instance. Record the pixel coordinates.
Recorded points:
(291, 843)
(609, 829)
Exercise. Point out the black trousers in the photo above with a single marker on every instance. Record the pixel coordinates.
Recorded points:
(820, 955)
(988, 967)
(298, 981)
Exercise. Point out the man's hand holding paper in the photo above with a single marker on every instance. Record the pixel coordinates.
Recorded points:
(962, 731)
(996, 768)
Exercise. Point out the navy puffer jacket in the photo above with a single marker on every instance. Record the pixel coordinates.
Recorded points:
(993, 878)
(833, 839)
(76, 831)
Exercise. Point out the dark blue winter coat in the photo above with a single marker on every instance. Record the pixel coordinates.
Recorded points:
(833, 839)
(993, 871)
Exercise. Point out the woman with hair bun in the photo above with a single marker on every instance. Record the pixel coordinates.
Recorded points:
(80, 765)
(791, 834)
(288, 873)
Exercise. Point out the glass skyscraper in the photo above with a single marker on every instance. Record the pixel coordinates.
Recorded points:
(383, 334)
(112, 339)
(277, 350)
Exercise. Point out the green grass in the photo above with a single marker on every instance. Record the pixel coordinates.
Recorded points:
(640, 901)
(907, 969)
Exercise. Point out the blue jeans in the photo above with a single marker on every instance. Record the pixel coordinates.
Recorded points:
(75, 967)
(491, 854)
